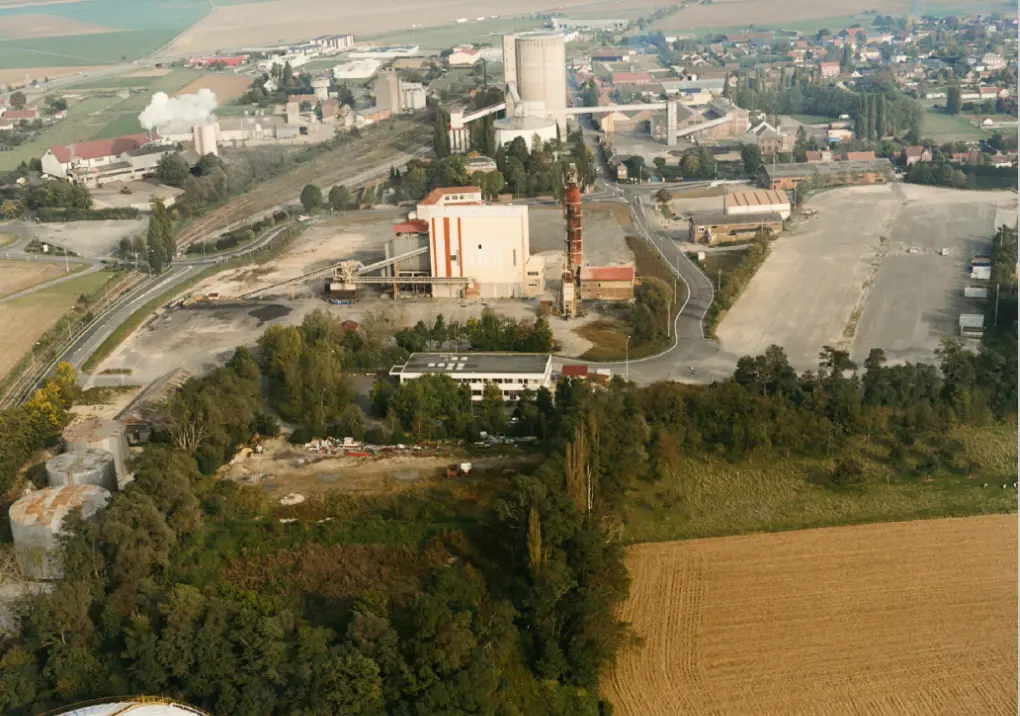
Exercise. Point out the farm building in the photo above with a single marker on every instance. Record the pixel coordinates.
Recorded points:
(715, 229)
(763, 201)
(607, 283)
(96, 162)
(511, 372)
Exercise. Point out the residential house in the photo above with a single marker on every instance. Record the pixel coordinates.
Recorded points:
(992, 92)
(993, 61)
(829, 69)
(27, 114)
(913, 155)
(463, 56)
(634, 78)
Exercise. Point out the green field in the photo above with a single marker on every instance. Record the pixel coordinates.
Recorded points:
(99, 117)
(943, 127)
(7, 238)
(711, 497)
(123, 124)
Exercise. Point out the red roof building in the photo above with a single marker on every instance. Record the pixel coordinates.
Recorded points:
(634, 78)
(860, 156)
(99, 148)
(412, 226)
(574, 371)
(29, 113)
(607, 273)
(453, 195)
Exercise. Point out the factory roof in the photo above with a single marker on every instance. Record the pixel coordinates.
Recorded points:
(51, 505)
(808, 168)
(439, 192)
(528, 122)
(607, 273)
(860, 156)
(411, 226)
(472, 363)
(100, 147)
(716, 219)
(761, 197)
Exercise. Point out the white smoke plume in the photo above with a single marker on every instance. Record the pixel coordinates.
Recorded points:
(178, 114)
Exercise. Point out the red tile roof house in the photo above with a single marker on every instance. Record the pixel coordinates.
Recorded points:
(912, 155)
(635, 78)
(93, 155)
(28, 113)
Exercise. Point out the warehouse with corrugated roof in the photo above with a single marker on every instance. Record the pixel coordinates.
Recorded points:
(760, 201)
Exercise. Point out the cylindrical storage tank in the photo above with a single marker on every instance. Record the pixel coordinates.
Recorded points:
(83, 467)
(94, 433)
(320, 86)
(542, 69)
(37, 519)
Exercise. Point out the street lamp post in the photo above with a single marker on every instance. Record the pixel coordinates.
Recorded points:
(627, 358)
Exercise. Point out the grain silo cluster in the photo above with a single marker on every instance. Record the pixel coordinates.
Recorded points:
(83, 477)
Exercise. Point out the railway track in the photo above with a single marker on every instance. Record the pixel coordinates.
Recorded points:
(344, 165)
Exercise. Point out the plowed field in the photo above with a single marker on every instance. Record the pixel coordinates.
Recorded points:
(903, 618)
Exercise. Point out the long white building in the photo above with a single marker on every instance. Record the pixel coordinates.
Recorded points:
(511, 372)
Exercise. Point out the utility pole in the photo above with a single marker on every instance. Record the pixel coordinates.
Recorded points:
(718, 281)
(995, 321)
(627, 359)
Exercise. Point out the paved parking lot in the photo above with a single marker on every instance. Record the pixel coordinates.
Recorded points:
(846, 276)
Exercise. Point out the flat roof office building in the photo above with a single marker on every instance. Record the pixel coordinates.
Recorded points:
(512, 372)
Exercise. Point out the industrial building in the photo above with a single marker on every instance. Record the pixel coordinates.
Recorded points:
(356, 70)
(511, 372)
(607, 283)
(534, 68)
(825, 173)
(591, 25)
(763, 201)
(467, 239)
(396, 95)
(710, 228)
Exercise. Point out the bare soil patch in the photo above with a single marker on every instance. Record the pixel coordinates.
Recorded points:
(34, 25)
(225, 87)
(151, 72)
(861, 619)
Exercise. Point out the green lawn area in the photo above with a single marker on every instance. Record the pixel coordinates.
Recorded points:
(7, 238)
(943, 127)
(126, 123)
(103, 49)
(84, 120)
(711, 497)
(170, 82)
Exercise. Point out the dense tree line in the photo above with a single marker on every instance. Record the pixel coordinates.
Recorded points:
(35, 423)
(489, 332)
(736, 281)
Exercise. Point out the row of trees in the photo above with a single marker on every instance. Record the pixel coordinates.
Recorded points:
(489, 332)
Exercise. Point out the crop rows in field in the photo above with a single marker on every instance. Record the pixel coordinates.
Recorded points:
(901, 618)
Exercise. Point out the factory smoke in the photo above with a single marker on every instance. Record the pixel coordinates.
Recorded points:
(178, 114)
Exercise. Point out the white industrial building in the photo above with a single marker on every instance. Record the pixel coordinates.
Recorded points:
(332, 44)
(397, 95)
(510, 372)
(759, 201)
(467, 247)
(356, 70)
(387, 52)
(534, 68)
